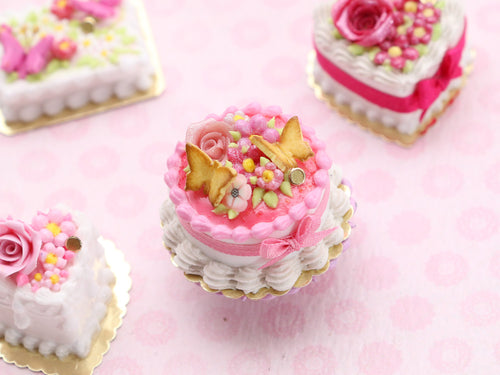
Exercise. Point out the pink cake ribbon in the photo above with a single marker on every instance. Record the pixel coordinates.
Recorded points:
(276, 249)
(273, 248)
(426, 92)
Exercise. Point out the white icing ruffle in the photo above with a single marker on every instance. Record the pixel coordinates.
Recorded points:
(192, 257)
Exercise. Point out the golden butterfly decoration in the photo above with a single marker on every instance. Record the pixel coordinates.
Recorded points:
(216, 178)
(291, 146)
(207, 173)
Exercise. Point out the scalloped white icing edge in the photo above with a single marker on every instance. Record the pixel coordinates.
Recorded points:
(222, 271)
(27, 101)
(71, 316)
(390, 82)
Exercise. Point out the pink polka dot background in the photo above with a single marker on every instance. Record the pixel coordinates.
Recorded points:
(418, 292)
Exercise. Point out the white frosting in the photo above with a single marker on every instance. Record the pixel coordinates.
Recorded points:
(221, 271)
(74, 88)
(61, 322)
(390, 82)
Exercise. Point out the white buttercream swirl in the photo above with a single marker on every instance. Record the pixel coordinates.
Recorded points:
(191, 258)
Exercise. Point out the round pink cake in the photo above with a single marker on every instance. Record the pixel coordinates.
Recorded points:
(256, 206)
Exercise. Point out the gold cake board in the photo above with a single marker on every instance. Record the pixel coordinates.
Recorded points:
(304, 279)
(12, 128)
(73, 365)
(389, 134)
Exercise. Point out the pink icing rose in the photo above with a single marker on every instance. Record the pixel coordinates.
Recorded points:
(212, 137)
(19, 248)
(365, 22)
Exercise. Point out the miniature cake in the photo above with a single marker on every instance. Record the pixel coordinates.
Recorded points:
(391, 65)
(256, 207)
(70, 54)
(55, 284)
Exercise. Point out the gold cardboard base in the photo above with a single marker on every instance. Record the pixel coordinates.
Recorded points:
(389, 134)
(72, 365)
(303, 280)
(12, 128)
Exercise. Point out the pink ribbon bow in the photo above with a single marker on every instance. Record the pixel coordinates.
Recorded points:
(276, 249)
(430, 89)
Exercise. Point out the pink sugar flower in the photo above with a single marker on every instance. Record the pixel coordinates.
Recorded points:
(64, 49)
(53, 257)
(238, 194)
(55, 226)
(269, 177)
(62, 9)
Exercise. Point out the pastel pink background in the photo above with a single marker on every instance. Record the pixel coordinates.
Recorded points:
(417, 293)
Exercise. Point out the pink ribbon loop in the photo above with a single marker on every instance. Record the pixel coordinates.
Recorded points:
(276, 249)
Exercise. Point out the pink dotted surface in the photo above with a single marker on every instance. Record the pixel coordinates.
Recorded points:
(417, 292)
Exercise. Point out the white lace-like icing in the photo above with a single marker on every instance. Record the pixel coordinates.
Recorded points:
(225, 273)
(74, 88)
(63, 322)
(390, 82)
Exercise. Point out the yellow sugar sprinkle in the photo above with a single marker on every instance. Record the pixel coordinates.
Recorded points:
(249, 165)
(38, 277)
(51, 258)
(54, 228)
(419, 32)
(268, 175)
(395, 51)
(238, 117)
(411, 6)
(54, 278)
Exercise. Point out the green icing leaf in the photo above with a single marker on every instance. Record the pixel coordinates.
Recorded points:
(13, 22)
(232, 214)
(228, 164)
(373, 52)
(34, 77)
(271, 123)
(12, 77)
(258, 194)
(264, 161)
(244, 149)
(73, 34)
(271, 199)
(65, 64)
(422, 49)
(74, 24)
(90, 61)
(337, 34)
(408, 66)
(436, 32)
(121, 30)
(253, 180)
(286, 188)
(187, 169)
(114, 58)
(236, 135)
(32, 17)
(440, 5)
(280, 130)
(53, 66)
(356, 49)
(220, 210)
(232, 145)
(128, 40)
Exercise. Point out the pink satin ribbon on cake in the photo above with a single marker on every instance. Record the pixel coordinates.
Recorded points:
(426, 92)
(273, 249)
